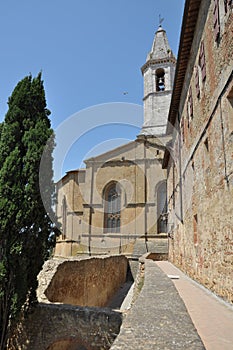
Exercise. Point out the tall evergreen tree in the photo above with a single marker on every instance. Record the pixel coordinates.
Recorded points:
(26, 227)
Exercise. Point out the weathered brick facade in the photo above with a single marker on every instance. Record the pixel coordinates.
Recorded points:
(200, 163)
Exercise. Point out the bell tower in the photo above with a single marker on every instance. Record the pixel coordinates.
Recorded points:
(158, 73)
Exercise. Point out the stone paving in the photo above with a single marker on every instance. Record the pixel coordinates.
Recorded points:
(211, 315)
(159, 319)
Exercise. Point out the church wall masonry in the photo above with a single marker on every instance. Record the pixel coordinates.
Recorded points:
(137, 170)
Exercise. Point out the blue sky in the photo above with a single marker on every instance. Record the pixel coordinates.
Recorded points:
(90, 52)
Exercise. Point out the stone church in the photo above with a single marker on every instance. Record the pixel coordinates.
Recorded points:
(121, 194)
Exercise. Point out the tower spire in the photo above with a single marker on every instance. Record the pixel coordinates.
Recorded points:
(160, 47)
(158, 73)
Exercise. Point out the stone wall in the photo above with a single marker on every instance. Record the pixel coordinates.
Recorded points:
(86, 282)
(200, 182)
(61, 327)
(83, 284)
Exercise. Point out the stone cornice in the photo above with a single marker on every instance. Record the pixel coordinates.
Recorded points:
(157, 61)
(160, 93)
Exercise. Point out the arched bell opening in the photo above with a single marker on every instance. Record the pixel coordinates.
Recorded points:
(160, 80)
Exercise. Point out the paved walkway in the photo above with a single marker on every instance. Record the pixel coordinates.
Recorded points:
(173, 314)
(212, 317)
(159, 319)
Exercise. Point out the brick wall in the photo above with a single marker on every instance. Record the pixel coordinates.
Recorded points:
(200, 182)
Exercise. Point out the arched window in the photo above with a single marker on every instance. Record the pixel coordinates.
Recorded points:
(162, 207)
(64, 217)
(160, 80)
(112, 212)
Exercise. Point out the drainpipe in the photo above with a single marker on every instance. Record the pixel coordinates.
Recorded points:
(145, 184)
(90, 213)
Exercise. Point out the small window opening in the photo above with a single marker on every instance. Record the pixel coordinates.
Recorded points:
(197, 83)
(193, 165)
(206, 143)
(190, 103)
(195, 224)
(202, 61)
(160, 80)
(227, 5)
(216, 20)
(230, 112)
(230, 97)
(182, 130)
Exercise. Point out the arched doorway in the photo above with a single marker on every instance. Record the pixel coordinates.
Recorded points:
(67, 344)
(112, 208)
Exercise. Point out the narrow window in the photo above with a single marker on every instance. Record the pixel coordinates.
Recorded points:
(216, 20)
(202, 62)
(193, 165)
(206, 143)
(160, 80)
(197, 83)
(195, 223)
(182, 130)
(230, 110)
(112, 215)
(187, 112)
(227, 5)
(190, 100)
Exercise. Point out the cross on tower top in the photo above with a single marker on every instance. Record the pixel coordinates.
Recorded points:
(160, 20)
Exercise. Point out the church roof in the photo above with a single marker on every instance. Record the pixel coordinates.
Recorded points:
(160, 48)
(113, 152)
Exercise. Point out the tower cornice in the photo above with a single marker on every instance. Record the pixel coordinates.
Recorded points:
(157, 61)
(162, 93)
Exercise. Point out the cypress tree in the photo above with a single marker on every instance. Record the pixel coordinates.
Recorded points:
(26, 227)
